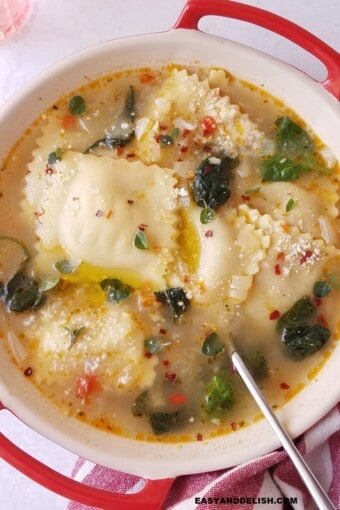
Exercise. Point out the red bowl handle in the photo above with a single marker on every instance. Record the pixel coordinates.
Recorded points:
(150, 497)
(194, 10)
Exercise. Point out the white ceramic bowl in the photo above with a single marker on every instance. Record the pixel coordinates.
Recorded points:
(299, 92)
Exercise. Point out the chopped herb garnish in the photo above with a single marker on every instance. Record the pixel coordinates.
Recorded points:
(212, 345)
(290, 204)
(207, 215)
(115, 290)
(77, 105)
(304, 339)
(293, 153)
(141, 240)
(55, 156)
(210, 187)
(175, 298)
(252, 191)
(321, 289)
(218, 396)
(67, 266)
(74, 334)
(153, 344)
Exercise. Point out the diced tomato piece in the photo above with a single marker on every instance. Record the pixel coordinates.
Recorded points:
(209, 125)
(284, 386)
(86, 384)
(275, 314)
(69, 121)
(178, 398)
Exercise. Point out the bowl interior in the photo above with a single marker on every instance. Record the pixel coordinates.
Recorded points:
(153, 460)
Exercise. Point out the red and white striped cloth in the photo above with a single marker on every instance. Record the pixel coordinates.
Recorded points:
(266, 482)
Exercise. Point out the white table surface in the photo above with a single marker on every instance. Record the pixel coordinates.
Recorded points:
(56, 29)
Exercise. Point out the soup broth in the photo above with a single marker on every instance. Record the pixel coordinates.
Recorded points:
(152, 220)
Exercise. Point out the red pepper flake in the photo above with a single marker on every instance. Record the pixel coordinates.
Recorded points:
(148, 355)
(274, 315)
(234, 425)
(162, 127)
(284, 386)
(170, 376)
(307, 255)
(166, 362)
(277, 269)
(280, 256)
(186, 132)
(37, 214)
(49, 170)
(130, 202)
(119, 150)
(131, 155)
(233, 369)
(28, 372)
(163, 331)
(99, 213)
(199, 437)
(158, 138)
(321, 320)
(208, 125)
(209, 233)
(317, 301)
(184, 149)
(69, 121)
(187, 279)
(142, 227)
(245, 197)
(207, 148)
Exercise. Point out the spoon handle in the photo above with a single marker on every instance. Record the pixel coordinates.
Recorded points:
(316, 491)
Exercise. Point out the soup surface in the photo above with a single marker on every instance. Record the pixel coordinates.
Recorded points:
(162, 217)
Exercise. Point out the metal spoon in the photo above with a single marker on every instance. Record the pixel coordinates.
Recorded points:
(316, 491)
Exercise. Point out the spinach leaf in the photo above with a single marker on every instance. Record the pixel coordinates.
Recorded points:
(66, 266)
(281, 168)
(115, 290)
(293, 154)
(210, 187)
(175, 298)
(301, 312)
(212, 345)
(258, 365)
(122, 131)
(291, 139)
(165, 421)
(140, 406)
(304, 339)
(218, 396)
(21, 292)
